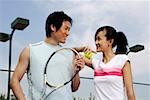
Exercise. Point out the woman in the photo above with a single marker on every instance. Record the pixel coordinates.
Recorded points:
(112, 70)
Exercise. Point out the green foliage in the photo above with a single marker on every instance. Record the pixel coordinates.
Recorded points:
(91, 97)
(3, 97)
(13, 97)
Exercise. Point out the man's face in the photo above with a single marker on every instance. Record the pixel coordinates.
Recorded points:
(62, 34)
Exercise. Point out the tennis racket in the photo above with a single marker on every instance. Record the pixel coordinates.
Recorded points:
(55, 67)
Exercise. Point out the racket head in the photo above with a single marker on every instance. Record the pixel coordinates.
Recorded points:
(58, 68)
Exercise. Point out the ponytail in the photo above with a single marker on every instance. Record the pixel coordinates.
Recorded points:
(121, 42)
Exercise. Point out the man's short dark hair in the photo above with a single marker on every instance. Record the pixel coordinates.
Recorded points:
(56, 19)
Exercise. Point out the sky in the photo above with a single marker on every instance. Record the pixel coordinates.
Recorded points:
(129, 16)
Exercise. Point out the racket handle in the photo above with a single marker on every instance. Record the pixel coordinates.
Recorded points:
(78, 68)
(77, 71)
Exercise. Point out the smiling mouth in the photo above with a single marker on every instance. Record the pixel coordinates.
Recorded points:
(98, 46)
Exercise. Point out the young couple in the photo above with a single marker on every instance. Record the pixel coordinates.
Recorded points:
(112, 70)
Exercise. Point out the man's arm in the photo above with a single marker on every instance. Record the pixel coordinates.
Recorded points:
(79, 62)
(19, 73)
(88, 51)
(75, 83)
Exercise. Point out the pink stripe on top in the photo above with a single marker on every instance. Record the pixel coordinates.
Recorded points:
(108, 71)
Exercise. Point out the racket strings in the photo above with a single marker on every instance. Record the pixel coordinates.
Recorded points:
(62, 84)
(46, 83)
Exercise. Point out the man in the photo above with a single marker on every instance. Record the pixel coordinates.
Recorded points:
(57, 27)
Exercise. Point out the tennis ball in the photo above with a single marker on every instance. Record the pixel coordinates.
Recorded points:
(88, 55)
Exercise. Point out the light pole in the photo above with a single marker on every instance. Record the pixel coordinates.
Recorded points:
(19, 24)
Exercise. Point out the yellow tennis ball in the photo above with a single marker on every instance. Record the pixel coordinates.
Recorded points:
(88, 55)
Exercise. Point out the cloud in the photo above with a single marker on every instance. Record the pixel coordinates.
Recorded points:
(130, 17)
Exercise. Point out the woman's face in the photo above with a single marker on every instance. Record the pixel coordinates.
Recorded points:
(101, 41)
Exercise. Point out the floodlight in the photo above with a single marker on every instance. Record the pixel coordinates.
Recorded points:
(17, 24)
(4, 37)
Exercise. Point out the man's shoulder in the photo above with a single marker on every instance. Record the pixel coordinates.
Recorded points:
(36, 44)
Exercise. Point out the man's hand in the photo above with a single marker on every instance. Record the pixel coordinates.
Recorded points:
(79, 62)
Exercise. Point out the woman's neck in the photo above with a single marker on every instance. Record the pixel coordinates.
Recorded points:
(107, 56)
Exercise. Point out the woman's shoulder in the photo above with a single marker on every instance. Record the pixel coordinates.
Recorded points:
(123, 57)
(97, 55)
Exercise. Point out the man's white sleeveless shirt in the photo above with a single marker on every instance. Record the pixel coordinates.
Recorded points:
(39, 54)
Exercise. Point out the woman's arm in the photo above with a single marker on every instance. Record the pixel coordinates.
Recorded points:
(127, 76)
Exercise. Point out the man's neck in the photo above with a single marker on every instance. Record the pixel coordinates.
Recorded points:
(51, 41)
